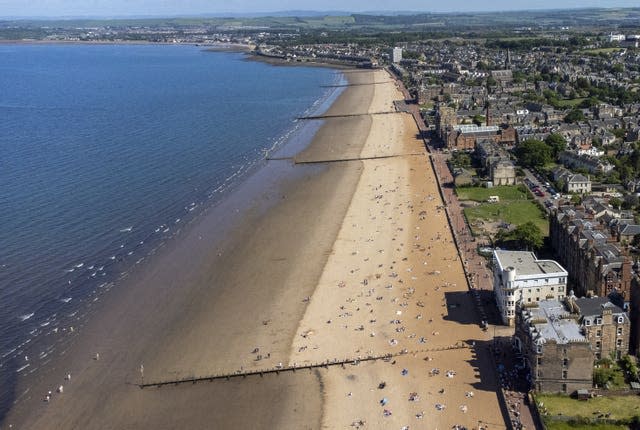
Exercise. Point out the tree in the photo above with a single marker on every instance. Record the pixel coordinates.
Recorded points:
(557, 142)
(534, 153)
(478, 119)
(576, 199)
(615, 202)
(589, 103)
(461, 159)
(529, 235)
(617, 68)
(630, 201)
(619, 132)
(575, 115)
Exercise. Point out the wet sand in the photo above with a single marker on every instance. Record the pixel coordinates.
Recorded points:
(203, 304)
(303, 263)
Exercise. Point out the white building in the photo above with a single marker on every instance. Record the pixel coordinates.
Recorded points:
(396, 55)
(518, 276)
(616, 37)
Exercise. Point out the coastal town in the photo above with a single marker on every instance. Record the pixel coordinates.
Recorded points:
(532, 142)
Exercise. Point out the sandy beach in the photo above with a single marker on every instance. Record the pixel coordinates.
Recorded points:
(304, 263)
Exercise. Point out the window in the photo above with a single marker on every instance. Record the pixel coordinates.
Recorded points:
(546, 280)
(598, 321)
(619, 343)
(598, 345)
(598, 356)
(552, 289)
(565, 362)
(598, 333)
(561, 288)
(529, 299)
(587, 322)
(619, 331)
(537, 299)
(564, 374)
(539, 361)
(621, 320)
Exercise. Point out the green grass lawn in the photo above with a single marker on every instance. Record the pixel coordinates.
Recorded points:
(601, 50)
(570, 102)
(512, 212)
(564, 407)
(481, 194)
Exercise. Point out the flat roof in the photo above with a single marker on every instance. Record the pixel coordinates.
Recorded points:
(555, 326)
(526, 263)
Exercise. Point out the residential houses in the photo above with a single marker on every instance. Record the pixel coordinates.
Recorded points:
(561, 340)
(586, 242)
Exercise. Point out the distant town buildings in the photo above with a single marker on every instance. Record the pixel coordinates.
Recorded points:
(615, 37)
(396, 54)
(519, 277)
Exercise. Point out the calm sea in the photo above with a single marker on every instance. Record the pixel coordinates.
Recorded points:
(106, 152)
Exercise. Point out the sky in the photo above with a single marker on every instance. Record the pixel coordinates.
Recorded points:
(111, 8)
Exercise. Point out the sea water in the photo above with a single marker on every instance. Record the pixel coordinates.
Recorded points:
(107, 151)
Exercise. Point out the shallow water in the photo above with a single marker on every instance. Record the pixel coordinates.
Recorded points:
(106, 152)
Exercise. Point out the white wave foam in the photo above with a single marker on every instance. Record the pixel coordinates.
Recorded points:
(66, 300)
(26, 316)
(126, 229)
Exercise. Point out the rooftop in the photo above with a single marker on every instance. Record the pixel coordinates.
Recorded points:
(556, 326)
(526, 263)
(594, 306)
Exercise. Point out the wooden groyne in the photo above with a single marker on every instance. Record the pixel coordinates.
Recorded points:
(293, 368)
(355, 85)
(348, 115)
(341, 160)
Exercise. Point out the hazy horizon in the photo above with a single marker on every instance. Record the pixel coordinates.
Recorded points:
(43, 9)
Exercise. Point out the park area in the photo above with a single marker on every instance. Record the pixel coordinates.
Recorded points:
(561, 412)
(514, 208)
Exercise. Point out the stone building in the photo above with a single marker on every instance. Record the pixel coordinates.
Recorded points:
(503, 172)
(519, 277)
(583, 242)
(605, 325)
(496, 163)
(445, 120)
(465, 137)
(554, 349)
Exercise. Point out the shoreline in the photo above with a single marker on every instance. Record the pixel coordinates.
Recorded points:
(336, 260)
(106, 326)
(124, 275)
